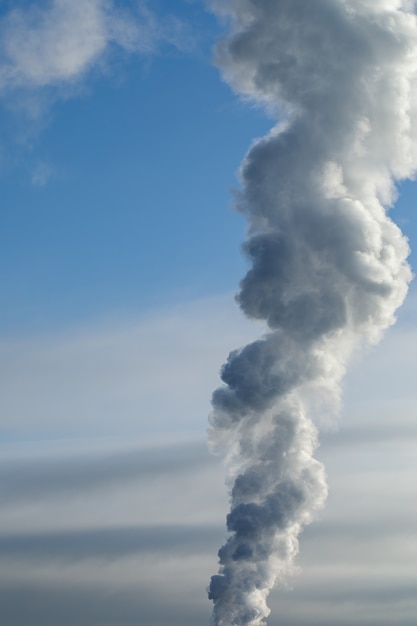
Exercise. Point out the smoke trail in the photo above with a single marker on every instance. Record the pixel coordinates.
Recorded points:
(328, 265)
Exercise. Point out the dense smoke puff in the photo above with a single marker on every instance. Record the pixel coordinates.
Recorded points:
(328, 265)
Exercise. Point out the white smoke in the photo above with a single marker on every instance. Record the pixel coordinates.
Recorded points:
(328, 267)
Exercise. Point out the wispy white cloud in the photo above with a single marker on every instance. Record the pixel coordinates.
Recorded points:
(41, 174)
(60, 41)
(53, 50)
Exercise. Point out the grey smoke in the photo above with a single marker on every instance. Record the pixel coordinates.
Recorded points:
(328, 266)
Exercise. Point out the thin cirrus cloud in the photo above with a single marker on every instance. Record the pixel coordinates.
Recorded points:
(109, 378)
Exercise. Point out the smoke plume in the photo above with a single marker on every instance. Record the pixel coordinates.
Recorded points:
(328, 266)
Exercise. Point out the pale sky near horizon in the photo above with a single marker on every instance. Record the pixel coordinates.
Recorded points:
(120, 256)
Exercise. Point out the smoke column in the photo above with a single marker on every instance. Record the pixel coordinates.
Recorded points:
(328, 266)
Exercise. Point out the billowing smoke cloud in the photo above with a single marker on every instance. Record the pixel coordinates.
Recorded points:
(328, 266)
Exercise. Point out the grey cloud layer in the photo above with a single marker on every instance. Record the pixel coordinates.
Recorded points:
(108, 544)
(131, 572)
(41, 478)
(137, 555)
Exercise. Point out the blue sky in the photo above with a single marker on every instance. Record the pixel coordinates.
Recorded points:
(119, 196)
(120, 256)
